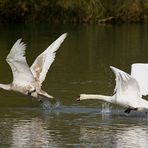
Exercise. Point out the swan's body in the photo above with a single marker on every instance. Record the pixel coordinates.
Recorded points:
(28, 80)
(127, 93)
(140, 72)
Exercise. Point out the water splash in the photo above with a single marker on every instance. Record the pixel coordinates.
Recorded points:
(106, 108)
(57, 105)
(47, 105)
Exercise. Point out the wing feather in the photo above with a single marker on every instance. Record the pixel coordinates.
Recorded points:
(140, 72)
(126, 86)
(17, 61)
(43, 62)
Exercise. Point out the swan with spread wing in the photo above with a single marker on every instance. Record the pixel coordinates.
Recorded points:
(127, 91)
(28, 80)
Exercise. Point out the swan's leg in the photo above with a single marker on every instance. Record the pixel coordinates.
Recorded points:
(41, 101)
(128, 110)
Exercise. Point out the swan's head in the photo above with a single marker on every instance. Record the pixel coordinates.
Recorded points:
(82, 97)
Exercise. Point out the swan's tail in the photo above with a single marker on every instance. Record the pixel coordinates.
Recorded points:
(5, 86)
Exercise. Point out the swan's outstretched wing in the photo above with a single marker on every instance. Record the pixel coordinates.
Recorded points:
(126, 86)
(17, 61)
(42, 63)
(140, 72)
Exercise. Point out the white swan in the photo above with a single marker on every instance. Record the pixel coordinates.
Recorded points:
(126, 93)
(140, 72)
(28, 81)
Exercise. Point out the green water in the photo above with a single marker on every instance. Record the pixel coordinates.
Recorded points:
(81, 66)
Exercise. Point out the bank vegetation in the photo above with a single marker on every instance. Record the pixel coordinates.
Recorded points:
(73, 11)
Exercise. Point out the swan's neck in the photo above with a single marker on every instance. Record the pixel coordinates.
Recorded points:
(99, 97)
(5, 86)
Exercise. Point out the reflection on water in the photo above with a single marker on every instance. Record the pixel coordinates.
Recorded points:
(32, 133)
(111, 136)
(135, 136)
(81, 66)
(71, 127)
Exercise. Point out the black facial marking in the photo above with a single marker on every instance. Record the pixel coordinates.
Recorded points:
(30, 92)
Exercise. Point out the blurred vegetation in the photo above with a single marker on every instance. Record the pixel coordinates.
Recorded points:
(73, 11)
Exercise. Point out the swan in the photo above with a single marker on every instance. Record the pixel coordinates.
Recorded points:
(126, 93)
(28, 80)
(140, 72)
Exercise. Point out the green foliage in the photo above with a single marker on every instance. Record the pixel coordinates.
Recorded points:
(127, 10)
(72, 11)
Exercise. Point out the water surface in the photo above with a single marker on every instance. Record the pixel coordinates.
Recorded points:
(81, 66)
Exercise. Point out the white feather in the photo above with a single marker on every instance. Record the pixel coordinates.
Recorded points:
(28, 80)
(127, 93)
(43, 62)
(127, 88)
(140, 72)
(17, 61)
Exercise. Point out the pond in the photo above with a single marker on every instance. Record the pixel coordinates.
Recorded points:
(81, 66)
